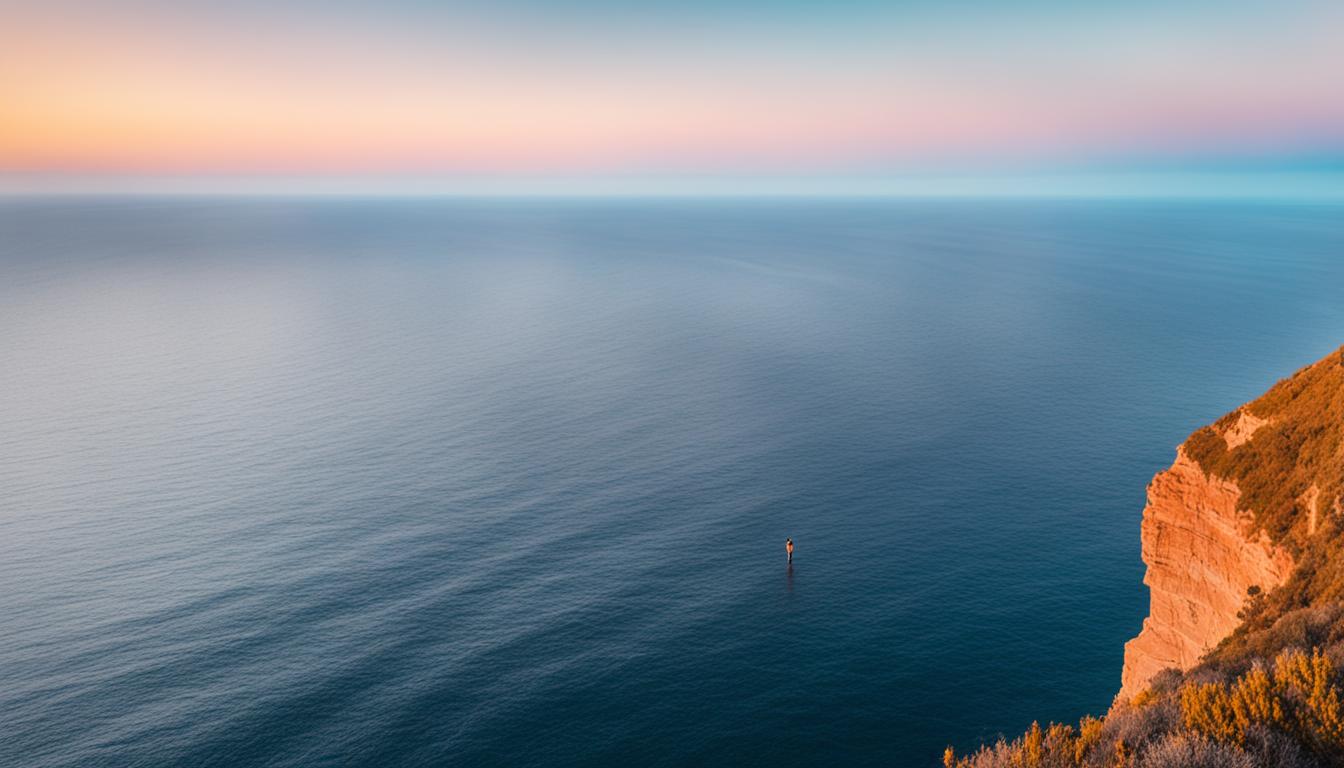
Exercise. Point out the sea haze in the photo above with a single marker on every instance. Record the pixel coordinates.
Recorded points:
(297, 482)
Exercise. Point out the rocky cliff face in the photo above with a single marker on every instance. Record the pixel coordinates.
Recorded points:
(1202, 557)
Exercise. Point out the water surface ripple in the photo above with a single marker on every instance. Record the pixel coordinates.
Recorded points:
(417, 482)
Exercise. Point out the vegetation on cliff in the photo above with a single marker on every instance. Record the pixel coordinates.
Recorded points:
(1272, 693)
(1275, 699)
(1299, 448)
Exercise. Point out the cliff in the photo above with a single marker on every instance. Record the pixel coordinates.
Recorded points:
(1208, 545)
(1240, 661)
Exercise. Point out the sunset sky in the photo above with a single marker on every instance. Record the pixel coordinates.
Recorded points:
(488, 93)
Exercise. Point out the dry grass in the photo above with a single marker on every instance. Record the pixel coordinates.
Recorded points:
(1287, 712)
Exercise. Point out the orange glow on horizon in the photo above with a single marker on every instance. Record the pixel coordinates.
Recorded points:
(118, 95)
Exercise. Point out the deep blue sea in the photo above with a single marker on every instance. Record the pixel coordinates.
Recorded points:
(418, 482)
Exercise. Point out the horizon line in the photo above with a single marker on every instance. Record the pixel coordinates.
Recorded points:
(1322, 184)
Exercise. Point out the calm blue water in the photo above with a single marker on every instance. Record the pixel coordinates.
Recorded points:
(311, 483)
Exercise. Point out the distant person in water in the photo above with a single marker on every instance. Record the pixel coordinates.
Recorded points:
(788, 547)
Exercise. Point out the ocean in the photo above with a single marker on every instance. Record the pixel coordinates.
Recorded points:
(443, 482)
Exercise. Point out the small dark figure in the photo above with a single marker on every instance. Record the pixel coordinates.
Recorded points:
(788, 547)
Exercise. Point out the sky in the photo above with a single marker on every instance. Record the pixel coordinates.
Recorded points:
(695, 94)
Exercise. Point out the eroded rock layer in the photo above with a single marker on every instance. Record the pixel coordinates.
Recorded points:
(1201, 561)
